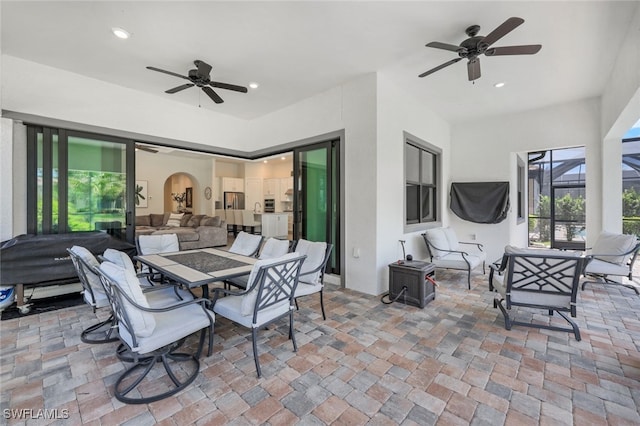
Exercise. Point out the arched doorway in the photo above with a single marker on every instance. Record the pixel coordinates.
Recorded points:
(180, 191)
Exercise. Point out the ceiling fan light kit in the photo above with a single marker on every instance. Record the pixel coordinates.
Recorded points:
(201, 77)
(477, 45)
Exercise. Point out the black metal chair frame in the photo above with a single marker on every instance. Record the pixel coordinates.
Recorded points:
(550, 276)
(604, 279)
(276, 285)
(322, 268)
(431, 247)
(104, 331)
(161, 355)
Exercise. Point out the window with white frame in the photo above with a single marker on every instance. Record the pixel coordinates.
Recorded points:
(422, 181)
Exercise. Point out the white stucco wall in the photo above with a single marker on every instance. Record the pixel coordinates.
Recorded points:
(399, 112)
(6, 178)
(484, 150)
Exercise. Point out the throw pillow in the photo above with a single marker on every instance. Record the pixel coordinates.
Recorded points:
(210, 221)
(194, 222)
(185, 219)
(143, 220)
(174, 220)
(156, 219)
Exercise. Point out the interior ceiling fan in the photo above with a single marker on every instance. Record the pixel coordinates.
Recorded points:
(477, 45)
(201, 77)
(146, 148)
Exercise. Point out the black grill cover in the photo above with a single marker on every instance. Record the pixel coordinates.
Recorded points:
(480, 202)
(43, 259)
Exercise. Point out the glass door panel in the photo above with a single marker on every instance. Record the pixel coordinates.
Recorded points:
(97, 190)
(316, 197)
(569, 218)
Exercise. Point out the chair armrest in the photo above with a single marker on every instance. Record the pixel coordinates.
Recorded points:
(204, 302)
(474, 244)
(217, 291)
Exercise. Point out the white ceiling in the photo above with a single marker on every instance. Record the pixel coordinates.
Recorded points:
(298, 49)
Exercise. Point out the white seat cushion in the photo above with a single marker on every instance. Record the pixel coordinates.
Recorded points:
(245, 244)
(456, 261)
(249, 299)
(119, 258)
(142, 322)
(614, 245)
(439, 241)
(315, 252)
(597, 266)
(230, 307)
(171, 326)
(304, 289)
(163, 297)
(273, 248)
(155, 244)
(100, 298)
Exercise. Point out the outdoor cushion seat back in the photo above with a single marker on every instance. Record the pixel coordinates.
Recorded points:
(538, 278)
(313, 269)
(267, 298)
(86, 266)
(613, 255)
(119, 258)
(445, 251)
(152, 335)
(271, 249)
(246, 244)
(155, 244)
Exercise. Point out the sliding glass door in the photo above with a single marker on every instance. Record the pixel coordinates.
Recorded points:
(317, 197)
(80, 182)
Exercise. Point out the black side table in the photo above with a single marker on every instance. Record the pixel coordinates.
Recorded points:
(409, 283)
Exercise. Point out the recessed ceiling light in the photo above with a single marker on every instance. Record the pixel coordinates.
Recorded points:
(498, 85)
(254, 85)
(265, 161)
(283, 158)
(120, 33)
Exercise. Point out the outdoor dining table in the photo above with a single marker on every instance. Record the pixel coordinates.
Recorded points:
(200, 267)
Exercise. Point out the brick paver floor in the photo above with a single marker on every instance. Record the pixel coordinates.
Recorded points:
(368, 363)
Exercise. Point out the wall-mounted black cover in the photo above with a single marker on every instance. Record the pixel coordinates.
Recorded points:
(43, 259)
(480, 202)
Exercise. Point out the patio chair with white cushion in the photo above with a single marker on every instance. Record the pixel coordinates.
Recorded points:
(246, 244)
(538, 278)
(156, 244)
(445, 251)
(272, 248)
(94, 294)
(152, 337)
(613, 255)
(267, 299)
(313, 269)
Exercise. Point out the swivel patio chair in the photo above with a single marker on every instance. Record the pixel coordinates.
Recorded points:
(445, 252)
(313, 269)
(246, 244)
(152, 337)
(272, 248)
(613, 255)
(267, 299)
(94, 294)
(536, 278)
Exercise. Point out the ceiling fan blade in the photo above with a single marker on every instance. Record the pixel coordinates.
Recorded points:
(529, 49)
(473, 69)
(445, 46)
(228, 86)
(146, 148)
(167, 72)
(213, 95)
(204, 69)
(439, 67)
(179, 88)
(505, 28)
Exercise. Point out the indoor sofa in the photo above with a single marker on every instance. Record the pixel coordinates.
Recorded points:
(193, 231)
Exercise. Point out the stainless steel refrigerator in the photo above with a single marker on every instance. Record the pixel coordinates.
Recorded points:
(234, 200)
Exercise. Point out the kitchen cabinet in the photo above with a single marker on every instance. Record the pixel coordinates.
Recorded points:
(230, 184)
(286, 194)
(271, 188)
(253, 194)
(275, 225)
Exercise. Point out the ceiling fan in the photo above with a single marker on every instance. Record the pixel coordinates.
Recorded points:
(477, 45)
(146, 148)
(201, 77)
